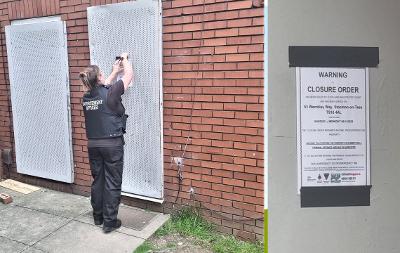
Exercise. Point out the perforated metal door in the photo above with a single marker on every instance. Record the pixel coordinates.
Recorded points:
(135, 27)
(38, 71)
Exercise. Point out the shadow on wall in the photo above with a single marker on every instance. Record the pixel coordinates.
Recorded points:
(5, 163)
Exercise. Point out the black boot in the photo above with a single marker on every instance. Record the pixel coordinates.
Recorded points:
(98, 222)
(107, 229)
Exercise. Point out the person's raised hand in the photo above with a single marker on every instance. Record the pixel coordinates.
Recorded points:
(116, 68)
(124, 56)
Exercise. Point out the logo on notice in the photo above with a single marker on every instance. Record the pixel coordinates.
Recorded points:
(335, 178)
(326, 175)
(319, 177)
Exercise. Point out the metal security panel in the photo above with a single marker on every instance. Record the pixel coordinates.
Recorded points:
(135, 27)
(38, 70)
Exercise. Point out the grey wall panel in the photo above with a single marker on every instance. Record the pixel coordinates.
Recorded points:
(342, 229)
(38, 70)
(135, 27)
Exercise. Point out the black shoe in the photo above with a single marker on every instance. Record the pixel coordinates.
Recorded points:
(98, 222)
(117, 225)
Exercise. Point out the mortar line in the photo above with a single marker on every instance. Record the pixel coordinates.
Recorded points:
(26, 246)
(87, 223)
(51, 233)
(14, 240)
(31, 247)
(42, 211)
(62, 225)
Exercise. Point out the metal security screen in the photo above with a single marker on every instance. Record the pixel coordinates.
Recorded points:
(38, 70)
(135, 27)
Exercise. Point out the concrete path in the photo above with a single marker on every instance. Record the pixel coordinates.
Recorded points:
(50, 221)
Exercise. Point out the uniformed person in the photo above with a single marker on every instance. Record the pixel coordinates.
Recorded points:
(105, 121)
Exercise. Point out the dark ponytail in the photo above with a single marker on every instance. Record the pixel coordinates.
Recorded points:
(89, 76)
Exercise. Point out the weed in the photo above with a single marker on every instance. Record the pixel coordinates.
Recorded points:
(144, 248)
(188, 222)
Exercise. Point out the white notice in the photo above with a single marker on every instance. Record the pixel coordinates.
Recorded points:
(333, 126)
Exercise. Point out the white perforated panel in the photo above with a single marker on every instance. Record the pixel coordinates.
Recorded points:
(135, 27)
(38, 70)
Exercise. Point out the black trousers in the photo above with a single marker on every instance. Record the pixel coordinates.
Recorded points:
(106, 164)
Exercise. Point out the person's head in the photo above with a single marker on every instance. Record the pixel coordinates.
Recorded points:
(91, 76)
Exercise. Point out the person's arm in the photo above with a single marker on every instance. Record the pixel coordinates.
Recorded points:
(115, 70)
(127, 78)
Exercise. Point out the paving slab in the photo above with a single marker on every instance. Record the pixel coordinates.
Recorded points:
(56, 203)
(33, 250)
(82, 237)
(131, 217)
(2, 206)
(135, 218)
(10, 246)
(147, 231)
(15, 195)
(48, 221)
(136, 222)
(28, 226)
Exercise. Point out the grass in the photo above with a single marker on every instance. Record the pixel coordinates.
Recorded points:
(229, 244)
(144, 248)
(188, 222)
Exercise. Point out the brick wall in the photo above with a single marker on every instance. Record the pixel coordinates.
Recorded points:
(213, 94)
(213, 69)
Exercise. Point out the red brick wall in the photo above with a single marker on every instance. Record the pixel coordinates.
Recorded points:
(213, 92)
(213, 62)
(5, 115)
